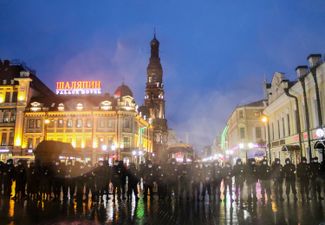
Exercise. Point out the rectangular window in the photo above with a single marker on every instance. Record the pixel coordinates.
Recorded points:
(283, 127)
(60, 123)
(69, 123)
(279, 135)
(4, 139)
(30, 143)
(126, 142)
(288, 124)
(6, 116)
(7, 99)
(38, 123)
(316, 122)
(101, 123)
(296, 120)
(88, 123)
(110, 123)
(31, 123)
(11, 138)
(79, 123)
(126, 123)
(14, 96)
(258, 132)
(242, 132)
(13, 116)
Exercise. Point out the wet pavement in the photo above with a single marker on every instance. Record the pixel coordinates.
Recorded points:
(157, 211)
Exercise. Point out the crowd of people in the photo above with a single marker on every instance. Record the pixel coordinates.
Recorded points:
(193, 181)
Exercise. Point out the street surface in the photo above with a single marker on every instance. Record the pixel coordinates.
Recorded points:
(156, 211)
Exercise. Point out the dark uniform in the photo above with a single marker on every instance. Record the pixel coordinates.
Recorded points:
(161, 182)
(227, 180)
(33, 181)
(133, 180)
(303, 173)
(315, 179)
(277, 175)
(197, 173)
(264, 175)
(2, 169)
(148, 180)
(185, 180)
(58, 176)
(8, 177)
(172, 179)
(289, 171)
(207, 180)
(239, 173)
(251, 179)
(21, 178)
(216, 181)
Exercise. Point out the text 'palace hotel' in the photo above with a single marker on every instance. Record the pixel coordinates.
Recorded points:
(98, 125)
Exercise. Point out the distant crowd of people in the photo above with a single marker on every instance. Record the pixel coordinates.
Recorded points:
(194, 181)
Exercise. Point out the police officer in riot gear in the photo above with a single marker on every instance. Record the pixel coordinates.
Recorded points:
(207, 181)
(227, 180)
(133, 180)
(264, 175)
(239, 173)
(161, 181)
(216, 181)
(172, 179)
(289, 171)
(277, 176)
(303, 174)
(21, 178)
(33, 181)
(148, 180)
(8, 177)
(184, 181)
(251, 179)
(315, 179)
(2, 169)
(197, 174)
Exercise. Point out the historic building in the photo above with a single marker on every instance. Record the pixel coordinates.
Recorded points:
(244, 135)
(18, 85)
(98, 126)
(296, 112)
(154, 100)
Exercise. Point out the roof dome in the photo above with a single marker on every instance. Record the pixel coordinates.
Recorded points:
(122, 91)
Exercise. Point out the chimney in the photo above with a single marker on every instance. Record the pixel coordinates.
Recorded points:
(314, 60)
(301, 71)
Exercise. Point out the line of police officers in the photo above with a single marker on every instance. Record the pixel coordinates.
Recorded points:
(193, 181)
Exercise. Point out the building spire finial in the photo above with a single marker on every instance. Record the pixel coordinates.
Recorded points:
(154, 32)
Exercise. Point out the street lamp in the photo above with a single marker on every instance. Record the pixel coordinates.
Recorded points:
(265, 120)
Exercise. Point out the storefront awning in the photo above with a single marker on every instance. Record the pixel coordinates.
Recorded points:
(319, 144)
(290, 148)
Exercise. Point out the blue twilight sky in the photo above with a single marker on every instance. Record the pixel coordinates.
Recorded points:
(215, 53)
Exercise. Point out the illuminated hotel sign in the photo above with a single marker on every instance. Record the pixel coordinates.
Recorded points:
(78, 87)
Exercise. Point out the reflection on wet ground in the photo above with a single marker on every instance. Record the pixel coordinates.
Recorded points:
(156, 211)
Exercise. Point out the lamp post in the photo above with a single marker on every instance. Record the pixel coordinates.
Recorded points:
(265, 120)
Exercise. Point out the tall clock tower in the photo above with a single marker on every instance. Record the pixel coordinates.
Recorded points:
(155, 99)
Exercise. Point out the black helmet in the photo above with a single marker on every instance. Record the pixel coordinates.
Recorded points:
(238, 161)
(304, 159)
(288, 160)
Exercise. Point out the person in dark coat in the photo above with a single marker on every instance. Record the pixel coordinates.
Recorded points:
(289, 171)
(303, 174)
(277, 176)
(239, 173)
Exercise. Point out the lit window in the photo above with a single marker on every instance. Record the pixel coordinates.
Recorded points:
(105, 105)
(79, 123)
(79, 106)
(60, 123)
(36, 106)
(61, 107)
(88, 123)
(69, 123)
